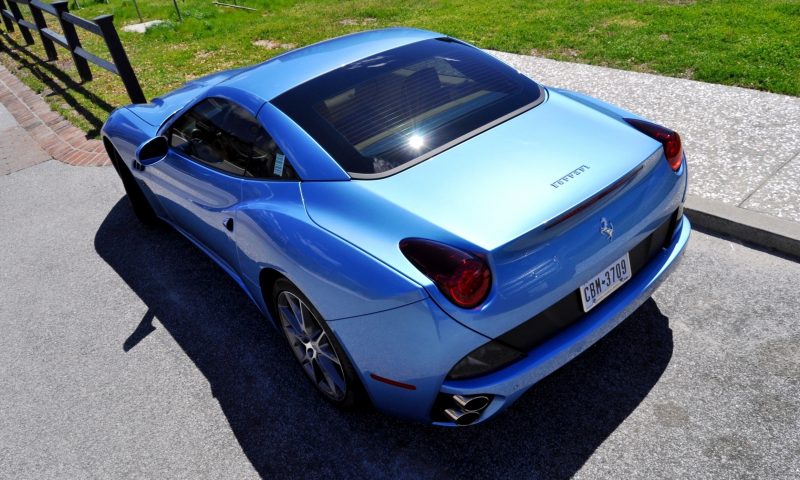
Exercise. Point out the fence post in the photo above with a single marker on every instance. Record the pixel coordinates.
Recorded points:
(6, 21)
(26, 34)
(73, 41)
(106, 24)
(41, 24)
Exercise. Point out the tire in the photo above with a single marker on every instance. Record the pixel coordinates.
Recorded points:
(314, 345)
(139, 203)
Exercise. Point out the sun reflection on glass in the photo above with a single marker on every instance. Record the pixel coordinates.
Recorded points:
(416, 141)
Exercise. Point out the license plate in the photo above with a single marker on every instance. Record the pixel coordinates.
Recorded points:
(605, 282)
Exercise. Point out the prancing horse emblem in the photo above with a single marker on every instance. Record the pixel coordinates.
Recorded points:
(607, 228)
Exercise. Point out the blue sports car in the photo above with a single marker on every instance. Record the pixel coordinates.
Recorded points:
(432, 231)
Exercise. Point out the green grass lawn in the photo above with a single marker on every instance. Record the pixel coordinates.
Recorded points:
(753, 44)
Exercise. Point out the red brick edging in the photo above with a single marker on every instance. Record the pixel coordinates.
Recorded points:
(58, 137)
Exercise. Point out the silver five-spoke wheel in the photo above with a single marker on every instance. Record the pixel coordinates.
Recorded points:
(311, 345)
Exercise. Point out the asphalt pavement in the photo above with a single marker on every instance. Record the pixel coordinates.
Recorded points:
(125, 352)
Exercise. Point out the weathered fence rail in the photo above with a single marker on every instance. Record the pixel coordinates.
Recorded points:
(102, 26)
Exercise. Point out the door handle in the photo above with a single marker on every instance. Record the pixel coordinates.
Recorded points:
(228, 224)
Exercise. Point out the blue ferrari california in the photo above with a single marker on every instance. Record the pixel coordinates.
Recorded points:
(432, 231)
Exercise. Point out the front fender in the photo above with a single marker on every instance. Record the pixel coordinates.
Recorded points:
(126, 132)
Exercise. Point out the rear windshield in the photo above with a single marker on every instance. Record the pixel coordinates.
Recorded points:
(395, 109)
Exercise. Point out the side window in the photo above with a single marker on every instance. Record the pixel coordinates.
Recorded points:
(225, 136)
(267, 160)
(201, 134)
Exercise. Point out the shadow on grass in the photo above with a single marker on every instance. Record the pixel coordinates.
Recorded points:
(59, 82)
(286, 430)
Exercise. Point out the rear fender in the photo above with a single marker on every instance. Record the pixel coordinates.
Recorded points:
(415, 345)
(273, 231)
(605, 108)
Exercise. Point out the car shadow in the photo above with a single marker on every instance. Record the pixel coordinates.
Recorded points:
(286, 430)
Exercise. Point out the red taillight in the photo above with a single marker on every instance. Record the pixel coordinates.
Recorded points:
(462, 277)
(670, 139)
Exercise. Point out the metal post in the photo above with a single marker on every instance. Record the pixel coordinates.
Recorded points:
(138, 12)
(7, 21)
(62, 6)
(120, 58)
(41, 24)
(180, 18)
(26, 34)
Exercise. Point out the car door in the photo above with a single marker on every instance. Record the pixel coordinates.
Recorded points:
(200, 180)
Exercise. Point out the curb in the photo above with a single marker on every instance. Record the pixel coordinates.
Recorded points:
(758, 229)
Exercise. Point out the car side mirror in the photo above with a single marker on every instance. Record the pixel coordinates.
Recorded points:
(152, 151)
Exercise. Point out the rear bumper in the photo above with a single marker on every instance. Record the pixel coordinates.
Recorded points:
(418, 344)
(509, 383)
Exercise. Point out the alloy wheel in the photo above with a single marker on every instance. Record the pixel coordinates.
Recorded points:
(311, 345)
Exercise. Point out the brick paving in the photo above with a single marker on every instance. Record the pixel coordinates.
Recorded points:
(57, 136)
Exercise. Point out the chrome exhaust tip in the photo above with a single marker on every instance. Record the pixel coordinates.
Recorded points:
(471, 404)
(461, 417)
(463, 409)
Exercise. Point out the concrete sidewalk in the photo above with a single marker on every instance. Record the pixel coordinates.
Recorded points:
(17, 149)
(743, 146)
(55, 135)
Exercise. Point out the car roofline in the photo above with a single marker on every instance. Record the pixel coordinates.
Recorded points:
(288, 70)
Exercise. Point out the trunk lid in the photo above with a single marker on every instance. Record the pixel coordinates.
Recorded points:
(521, 174)
(501, 194)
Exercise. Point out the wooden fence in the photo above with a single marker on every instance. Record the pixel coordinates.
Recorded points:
(102, 26)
